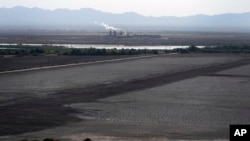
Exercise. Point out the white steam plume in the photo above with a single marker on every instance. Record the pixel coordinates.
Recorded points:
(106, 26)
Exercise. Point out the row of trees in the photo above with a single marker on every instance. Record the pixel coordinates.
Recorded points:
(94, 51)
(218, 49)
(22, 51)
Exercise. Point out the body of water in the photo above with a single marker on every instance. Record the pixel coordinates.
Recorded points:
(101, 46)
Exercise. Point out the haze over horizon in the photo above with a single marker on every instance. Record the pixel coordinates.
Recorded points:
(156, 8)
(90, 19)
(191, 15)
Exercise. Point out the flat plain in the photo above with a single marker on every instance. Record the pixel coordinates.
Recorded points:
(166, 97)
(144, 38)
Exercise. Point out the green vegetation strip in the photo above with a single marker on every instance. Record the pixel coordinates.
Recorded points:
(217, 49)
(24, 50)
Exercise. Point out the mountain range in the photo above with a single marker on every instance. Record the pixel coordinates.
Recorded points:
(36, 18)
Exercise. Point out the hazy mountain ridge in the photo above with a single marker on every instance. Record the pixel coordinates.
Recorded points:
(36, 17)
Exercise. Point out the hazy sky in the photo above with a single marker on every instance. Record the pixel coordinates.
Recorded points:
(144, 7)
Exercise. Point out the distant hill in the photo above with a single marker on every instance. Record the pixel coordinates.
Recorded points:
(36, 18)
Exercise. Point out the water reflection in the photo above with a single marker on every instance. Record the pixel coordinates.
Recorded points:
(101, 46)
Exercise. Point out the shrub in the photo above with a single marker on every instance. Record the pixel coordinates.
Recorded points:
(24, 140)
(87, 139)
(49, 139)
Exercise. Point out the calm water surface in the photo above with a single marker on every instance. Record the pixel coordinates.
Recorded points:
(101, 46)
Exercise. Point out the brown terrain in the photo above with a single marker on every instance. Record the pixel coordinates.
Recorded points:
(154, 38)
(26, 62)
(158, 97)
(39, 101)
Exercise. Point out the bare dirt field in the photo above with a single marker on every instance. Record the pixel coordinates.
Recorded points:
(16, 63)
(167, 97)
